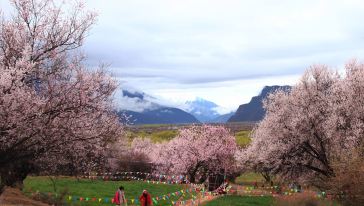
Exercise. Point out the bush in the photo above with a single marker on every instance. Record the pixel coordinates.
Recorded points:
(57, 199)
(134, 163)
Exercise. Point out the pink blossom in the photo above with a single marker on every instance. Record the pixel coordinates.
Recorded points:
(305, 129)
(198, 151)
(53, 110)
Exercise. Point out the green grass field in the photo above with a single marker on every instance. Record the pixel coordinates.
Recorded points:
(161, 136)
(242, 138)
(234, 200)
(89, 189)
(249, 178)
(101, 189)
(156, 136)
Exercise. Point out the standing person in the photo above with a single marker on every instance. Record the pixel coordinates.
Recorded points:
(145, 199)
(119, 198)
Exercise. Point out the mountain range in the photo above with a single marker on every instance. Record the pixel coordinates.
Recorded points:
(141, 108)
(153, 113)
(163, 115)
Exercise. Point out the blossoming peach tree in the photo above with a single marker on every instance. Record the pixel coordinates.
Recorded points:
(53, 111)
(307, 129)
(197, 151)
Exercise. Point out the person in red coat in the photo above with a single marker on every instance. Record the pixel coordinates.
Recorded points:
(119, 197)
(145, 199)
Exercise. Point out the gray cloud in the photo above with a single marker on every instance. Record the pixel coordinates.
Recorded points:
(172, 48)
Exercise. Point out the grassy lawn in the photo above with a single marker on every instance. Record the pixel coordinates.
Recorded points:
(242, 138)
(249, 178)
(241, 201)
(102, 189)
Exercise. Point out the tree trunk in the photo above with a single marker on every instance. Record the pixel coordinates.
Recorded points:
(192, 173)
(267, 178)
(192, 177)
(14, 174)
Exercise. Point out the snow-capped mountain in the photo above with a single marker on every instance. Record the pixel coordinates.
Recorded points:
(204, 110)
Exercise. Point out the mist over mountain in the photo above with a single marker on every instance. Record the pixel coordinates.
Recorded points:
(202, 109)
(134, 94)
(222, 118)
(207, 111)
(140, 109)
(253, 111)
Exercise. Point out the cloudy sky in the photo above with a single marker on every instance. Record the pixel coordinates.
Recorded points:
(221, 50)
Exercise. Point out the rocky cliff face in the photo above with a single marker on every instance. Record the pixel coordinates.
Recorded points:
(253, 111)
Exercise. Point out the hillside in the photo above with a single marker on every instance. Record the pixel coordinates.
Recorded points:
(253, 111)
(222, 118)
(162, 115)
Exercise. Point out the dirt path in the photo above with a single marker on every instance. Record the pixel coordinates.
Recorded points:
(14, 197)
(245, 191)
(206, 199)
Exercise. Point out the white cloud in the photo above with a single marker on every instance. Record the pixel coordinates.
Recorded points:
(224, 51)
(229, 94)
(222, 110)
(132, 104)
